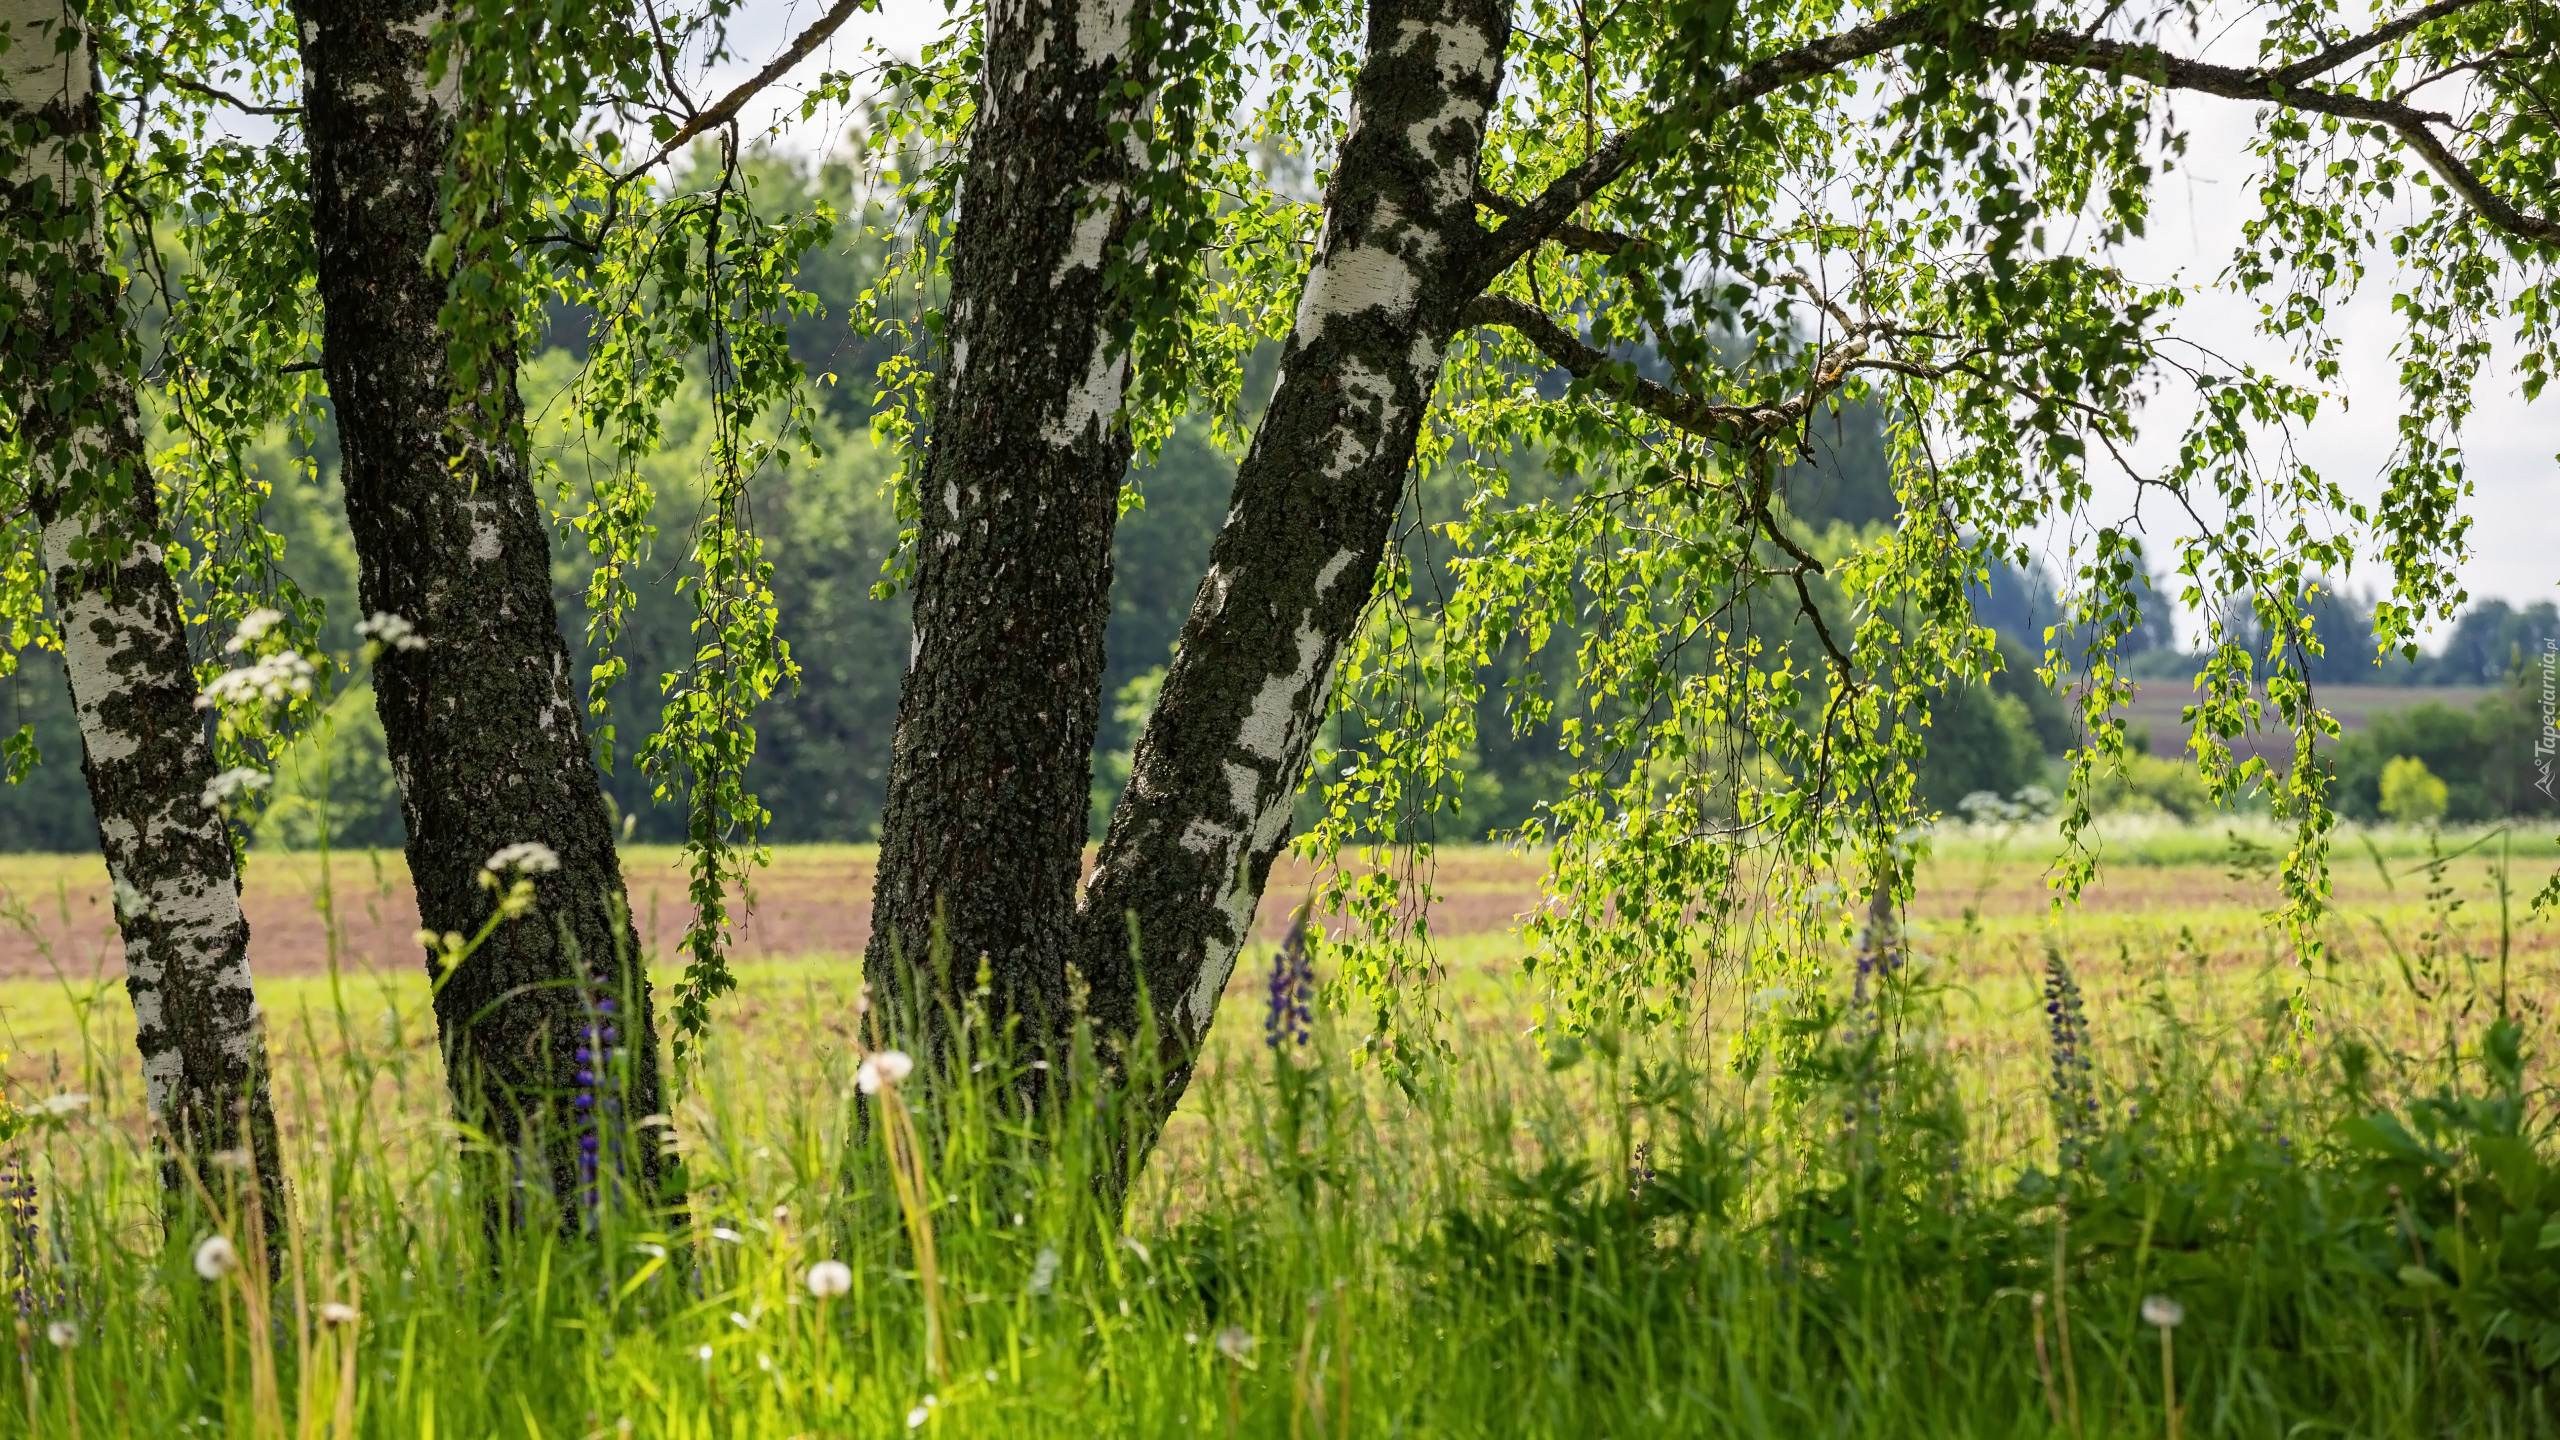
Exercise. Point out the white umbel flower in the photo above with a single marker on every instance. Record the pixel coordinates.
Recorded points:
(274, 679)
(336, 1313)
(2162, 1311)
(253, 628)
(525, 857)
(391, 632)
(219, 790)
(63, 1334)
(889, 1067)
(830, 1278)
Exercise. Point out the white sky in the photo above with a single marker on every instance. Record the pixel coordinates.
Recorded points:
(2197, 216)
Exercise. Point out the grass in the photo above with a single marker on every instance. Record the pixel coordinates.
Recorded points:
(2348, 1193)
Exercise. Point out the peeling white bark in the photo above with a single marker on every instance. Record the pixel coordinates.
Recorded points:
(124, 643)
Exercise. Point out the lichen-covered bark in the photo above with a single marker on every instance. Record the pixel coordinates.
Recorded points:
(984, 827)
(1208, 803)
(485, 732)
(70, 390)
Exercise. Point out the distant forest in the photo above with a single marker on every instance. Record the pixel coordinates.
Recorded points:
(828, 525)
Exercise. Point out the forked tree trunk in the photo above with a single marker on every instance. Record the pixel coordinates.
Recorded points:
(69, 368)
(484, 726)
(984, 828)
(1216, 774)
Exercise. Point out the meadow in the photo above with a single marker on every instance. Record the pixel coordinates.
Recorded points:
(1942, 1215)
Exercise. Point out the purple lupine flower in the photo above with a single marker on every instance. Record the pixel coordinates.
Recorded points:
(1290, 1017)
(2072, 1087)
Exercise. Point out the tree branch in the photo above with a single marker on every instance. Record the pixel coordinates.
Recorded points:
(198, 87)
(1736, 425)
(1546, 216)
(2171, 72)
(2374, 39)
(1613, 157)
(730, 104)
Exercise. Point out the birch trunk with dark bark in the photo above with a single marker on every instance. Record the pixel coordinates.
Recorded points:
(1216, 773)
(983, 833)
(485, 729)
(70, 392)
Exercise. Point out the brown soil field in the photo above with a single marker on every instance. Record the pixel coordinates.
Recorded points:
(816, 901)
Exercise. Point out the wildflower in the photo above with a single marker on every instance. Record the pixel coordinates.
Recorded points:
(830, 1278)
(922, 1413)
(1236, 1343)
(1044, 1271)
(219, 790)
(391, 632)
(889, 1067)
(217, 1257)
(63, 1334)
(234, 1159)
(69, 1102)
(723, 1232)
(525, 857)
(274, 679)
(2074, 1095)
(336, 1313)
(1293, 982)
(253, 627)
(2162, 1311)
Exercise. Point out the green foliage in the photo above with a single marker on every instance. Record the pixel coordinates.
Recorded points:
(335, 786)
(2483, 757)
(2411, 795)
(2155, 785)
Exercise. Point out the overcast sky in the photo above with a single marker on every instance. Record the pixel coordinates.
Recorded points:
(2515, 537)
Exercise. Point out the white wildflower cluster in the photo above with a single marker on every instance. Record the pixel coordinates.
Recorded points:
(274, 679)
(525, 857)
(391, 632)
(253, 628)
(219, 790)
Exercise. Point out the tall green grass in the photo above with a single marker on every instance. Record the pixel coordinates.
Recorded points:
(1612, 1238)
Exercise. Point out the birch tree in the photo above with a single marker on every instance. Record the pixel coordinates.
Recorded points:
(73, 423)
(484, 725)
(1786, 208)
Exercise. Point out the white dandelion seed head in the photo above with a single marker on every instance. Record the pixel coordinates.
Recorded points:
(69, 1102)
(1044, 1271)
(1235, 1342)
(888, 1067)
(63, 1334)
(703, 1354)
(217, 1257)
(830, 1278)
(219, 790)
(2162, 1311)
(253, 627)
(336, 1313)
(525, 857)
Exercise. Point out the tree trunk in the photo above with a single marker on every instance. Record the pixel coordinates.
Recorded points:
(69, 368)
(983, 832)
(484, 730)
(1216, 774)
